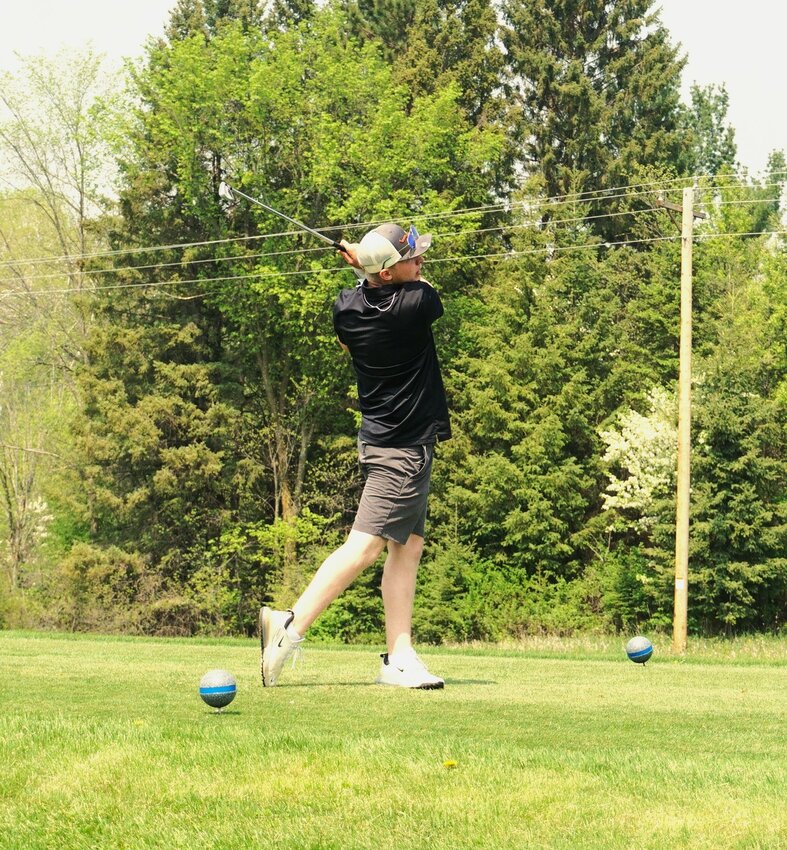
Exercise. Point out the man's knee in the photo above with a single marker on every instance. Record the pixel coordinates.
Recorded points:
(415, 546)
(411, 551)
(365, 547)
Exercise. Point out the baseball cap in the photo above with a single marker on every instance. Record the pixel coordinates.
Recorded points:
(387, 244)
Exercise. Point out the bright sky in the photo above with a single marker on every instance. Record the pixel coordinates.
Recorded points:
(740, 44)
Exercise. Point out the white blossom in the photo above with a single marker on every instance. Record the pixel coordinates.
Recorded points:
(641, 457)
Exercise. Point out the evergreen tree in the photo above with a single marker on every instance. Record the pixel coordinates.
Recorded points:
(712, 138)
(192, 17)
(248, 13)
(737, 569)
(186, 19)
(284, 14)
(597, 86)
(432, 43)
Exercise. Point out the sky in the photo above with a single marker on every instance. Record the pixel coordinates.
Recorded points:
(743, 45)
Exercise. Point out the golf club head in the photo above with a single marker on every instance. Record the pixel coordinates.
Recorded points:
(225, 191)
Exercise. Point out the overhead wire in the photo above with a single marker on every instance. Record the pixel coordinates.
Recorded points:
(597, 195)
(299, 251)
(322, 249)
(548, 249)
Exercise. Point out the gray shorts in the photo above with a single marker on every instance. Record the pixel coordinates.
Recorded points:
(396, 490)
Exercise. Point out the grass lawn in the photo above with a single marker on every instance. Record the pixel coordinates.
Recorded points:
(106, 744)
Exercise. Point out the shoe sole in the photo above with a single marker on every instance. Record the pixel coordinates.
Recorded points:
(425, 687)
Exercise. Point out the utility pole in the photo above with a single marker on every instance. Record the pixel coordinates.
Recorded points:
(679, 620)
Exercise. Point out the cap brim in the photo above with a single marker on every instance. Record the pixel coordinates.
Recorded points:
(422, 244)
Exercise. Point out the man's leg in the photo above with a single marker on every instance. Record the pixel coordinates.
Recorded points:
(401, 666)
(281, 632)
(398, 587)
(337, 572)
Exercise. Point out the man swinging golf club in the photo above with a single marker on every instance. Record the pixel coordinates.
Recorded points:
(385, 323)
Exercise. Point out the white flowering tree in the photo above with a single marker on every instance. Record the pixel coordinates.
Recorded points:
(641, 456)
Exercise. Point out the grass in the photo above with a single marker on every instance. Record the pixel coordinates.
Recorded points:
(548, 744)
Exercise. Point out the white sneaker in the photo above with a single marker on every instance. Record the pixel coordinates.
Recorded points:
(275, 644)
(406, 670)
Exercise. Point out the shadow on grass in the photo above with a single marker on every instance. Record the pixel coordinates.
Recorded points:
(375, 685)
(326, 685)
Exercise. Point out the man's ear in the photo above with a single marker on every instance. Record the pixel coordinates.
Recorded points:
(385, 274)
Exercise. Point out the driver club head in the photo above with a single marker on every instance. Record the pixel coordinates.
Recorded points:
(225, 191)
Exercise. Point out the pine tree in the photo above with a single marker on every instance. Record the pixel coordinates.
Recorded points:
(432, 43)
(597, 86)
(185, 20)
(713, 139)
(249, 13)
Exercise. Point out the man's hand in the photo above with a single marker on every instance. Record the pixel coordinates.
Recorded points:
(348, 252)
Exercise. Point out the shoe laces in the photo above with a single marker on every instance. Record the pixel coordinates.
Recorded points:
(297, 654)
(410, 659)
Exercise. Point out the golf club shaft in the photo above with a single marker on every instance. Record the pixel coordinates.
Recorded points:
(294, 221)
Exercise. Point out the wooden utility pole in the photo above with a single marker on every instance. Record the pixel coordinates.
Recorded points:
(679, 629)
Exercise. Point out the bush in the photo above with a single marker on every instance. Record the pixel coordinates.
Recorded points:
(172, 616)
(631, 588)
(97, 588)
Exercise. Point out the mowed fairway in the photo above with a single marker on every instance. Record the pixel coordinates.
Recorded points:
(106, 744)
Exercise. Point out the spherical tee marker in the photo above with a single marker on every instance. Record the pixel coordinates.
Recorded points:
(639, 649)
(217, 688)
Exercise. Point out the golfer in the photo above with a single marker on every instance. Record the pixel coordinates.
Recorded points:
(385, 323)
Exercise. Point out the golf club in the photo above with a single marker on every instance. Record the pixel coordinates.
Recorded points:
(228, 193)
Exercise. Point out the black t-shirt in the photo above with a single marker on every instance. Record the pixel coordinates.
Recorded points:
(388, 330)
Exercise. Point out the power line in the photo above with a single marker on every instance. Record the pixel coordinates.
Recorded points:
(246, 257)
(445, 235)
(596, 195)
(551, 249)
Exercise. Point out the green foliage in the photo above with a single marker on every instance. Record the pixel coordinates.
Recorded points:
(446, 603)
(436, 43)
(630, 590)
(597, 85)
(740, 515)
(56, 137)
(203, 414)
(713, 140)
(739, 464)
(99, 588)
(357, 615)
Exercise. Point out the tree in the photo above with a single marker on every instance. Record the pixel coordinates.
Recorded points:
(186, 19)
(737, 572)
(570, 332)
(55, 139)
(22, 458)
(432, 43)
(57, 142)
(713, 145)
(596, 84)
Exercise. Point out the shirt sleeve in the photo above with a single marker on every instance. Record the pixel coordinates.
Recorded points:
(431, 303)
(336, 310)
